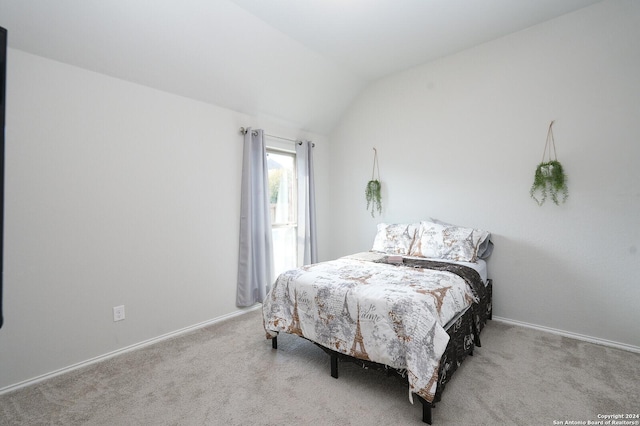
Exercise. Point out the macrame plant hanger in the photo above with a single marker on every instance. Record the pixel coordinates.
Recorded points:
(549, 178)
(372, 193)
(550, 143)
(376, 168)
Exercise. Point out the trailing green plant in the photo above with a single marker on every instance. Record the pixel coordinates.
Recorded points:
(373, 190)
(549, 179)
(374, 197)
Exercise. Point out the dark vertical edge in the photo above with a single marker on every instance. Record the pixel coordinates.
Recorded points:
(3, 79)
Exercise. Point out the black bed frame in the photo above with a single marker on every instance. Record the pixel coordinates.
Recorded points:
(464, 335)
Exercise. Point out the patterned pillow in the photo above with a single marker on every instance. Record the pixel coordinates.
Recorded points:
(485, 246)
(397, 238)
(449, 242)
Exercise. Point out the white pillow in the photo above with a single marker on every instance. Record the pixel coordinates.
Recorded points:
(448, 242)
(485, 247)
(397, 238)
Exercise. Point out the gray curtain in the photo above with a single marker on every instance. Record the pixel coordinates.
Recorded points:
(255, 261)
(307, 241)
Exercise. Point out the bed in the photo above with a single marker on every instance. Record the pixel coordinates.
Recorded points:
(414, 305)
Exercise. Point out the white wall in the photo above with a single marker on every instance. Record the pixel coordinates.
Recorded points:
(459, 139)
(115, 194)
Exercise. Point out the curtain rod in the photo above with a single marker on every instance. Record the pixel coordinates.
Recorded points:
(299, 142)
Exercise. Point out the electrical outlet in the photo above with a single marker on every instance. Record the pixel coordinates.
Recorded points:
(118, 313)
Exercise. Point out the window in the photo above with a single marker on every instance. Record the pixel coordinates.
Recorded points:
(283, 208)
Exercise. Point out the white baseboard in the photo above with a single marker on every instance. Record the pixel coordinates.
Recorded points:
(154, 340)
(125, 349)
(577, 336)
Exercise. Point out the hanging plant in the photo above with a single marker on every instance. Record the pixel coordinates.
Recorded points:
(372, 192)
(549, 178)
(374, 199)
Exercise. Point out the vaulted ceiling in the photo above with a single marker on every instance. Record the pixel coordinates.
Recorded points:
(301, 62)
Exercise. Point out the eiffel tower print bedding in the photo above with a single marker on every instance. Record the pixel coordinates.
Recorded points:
(375, 311)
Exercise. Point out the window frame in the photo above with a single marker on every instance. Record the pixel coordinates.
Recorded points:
(276, 150)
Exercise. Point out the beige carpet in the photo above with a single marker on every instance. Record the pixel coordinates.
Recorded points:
(227, 374)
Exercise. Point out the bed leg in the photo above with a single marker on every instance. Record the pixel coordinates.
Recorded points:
(426, 414)
(426, 411)
(274, 342)
(334, 366)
